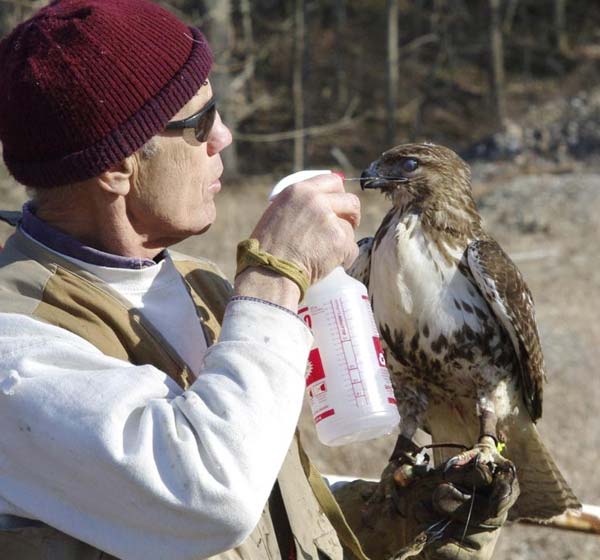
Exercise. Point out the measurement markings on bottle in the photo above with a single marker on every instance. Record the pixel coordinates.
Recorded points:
(349, 353)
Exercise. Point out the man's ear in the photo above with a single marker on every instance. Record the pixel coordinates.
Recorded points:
(118, 178)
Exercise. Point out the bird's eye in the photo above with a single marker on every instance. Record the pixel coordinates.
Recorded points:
(409, 165)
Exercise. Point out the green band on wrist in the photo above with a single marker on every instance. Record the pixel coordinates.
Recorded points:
(249, 254)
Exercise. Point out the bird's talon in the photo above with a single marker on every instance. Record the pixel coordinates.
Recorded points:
(458, 461)
(481, 454)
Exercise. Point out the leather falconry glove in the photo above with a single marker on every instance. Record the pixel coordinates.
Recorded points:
(425, 513)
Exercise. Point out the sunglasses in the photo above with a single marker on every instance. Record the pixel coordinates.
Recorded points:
(201, 122)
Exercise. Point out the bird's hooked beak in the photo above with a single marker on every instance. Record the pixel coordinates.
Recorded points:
(371, 179)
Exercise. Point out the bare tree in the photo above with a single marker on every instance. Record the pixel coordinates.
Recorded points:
(560, 9)
(221, 37)
(341, 23)
(497, 63)
(509, 16)
(392, 71)
(249, 47)
(298, 82)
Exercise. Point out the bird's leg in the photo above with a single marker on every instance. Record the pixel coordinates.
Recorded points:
(405, 463)
(407, 458)
(405, 444)
(488, 448)
(488, 422)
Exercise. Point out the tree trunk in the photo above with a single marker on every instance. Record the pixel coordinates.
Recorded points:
(298, 83)
(341, 23)
(509, 16)
(392, 76)
(560, 9)
(249, 48)
(497, 63)
(220, 36)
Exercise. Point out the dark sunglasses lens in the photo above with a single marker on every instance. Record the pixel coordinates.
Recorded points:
(205, 124)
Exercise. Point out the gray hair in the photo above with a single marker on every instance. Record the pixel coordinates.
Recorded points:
(58, 195)
(149, 149)
(64, 193)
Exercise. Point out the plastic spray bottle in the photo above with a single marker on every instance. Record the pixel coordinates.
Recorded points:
(349, 387)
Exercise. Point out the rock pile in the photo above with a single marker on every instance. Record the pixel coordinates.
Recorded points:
(557, 130)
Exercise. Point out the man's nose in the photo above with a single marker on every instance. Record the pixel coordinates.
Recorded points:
(219, 138)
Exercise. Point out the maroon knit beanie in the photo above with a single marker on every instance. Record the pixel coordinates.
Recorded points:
(85, 83)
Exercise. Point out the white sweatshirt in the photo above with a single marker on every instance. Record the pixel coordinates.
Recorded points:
(119, 456)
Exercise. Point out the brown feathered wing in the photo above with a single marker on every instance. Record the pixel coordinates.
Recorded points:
(360, 269)
(507, 294)
(544, 491)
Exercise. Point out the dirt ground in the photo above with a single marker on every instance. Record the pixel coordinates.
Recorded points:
(548, 222)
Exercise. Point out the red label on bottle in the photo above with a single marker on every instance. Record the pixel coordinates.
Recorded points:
(315, 371)
(379, 351)
(324, 415)
(305, 316)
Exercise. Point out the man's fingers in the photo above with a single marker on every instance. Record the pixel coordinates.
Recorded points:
(470, 474)
(447, 499)
(345, 206)
(505, 490)
(312, 223)
(473, 490)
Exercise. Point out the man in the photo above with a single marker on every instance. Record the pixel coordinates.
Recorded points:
(125, 431)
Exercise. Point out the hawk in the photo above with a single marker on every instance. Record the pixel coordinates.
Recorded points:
(457, 321)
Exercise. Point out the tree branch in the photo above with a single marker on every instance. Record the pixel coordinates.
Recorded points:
(317, 130)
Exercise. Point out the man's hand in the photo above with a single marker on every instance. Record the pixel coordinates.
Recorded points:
(311, 224)
(430, 514)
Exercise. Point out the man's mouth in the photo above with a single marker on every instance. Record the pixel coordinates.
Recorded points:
(215, 186)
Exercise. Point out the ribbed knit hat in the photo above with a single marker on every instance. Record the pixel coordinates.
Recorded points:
(85, 83)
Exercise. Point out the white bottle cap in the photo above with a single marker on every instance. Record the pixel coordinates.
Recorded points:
(296, 178)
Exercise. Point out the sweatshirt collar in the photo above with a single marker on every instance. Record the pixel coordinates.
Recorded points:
(71, 247)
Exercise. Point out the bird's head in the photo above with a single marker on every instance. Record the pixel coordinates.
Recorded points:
(431, 181)
(418, 172)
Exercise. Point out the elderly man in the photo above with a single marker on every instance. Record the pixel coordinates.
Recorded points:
(146, 411)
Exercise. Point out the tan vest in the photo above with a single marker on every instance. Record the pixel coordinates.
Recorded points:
(36, 282)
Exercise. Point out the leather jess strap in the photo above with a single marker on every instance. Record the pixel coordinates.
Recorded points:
(250, 254)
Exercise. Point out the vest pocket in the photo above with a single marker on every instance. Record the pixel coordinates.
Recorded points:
(328, 546)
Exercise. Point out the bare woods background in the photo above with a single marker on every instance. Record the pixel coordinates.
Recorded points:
(313, 82)
(513, 85)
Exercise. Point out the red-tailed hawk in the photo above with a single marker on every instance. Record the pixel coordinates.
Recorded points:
(458, 322)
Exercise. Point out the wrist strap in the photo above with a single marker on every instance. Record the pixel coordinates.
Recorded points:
(249, 254)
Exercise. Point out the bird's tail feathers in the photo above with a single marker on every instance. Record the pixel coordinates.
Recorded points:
(544, 491)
